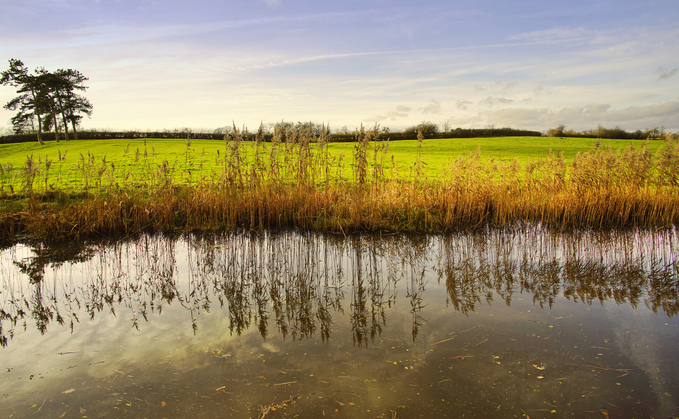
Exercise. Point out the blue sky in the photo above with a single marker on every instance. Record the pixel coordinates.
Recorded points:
(202, 64)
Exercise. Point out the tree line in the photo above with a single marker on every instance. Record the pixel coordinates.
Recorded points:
(611, 133)
(46, 99)
(268, 136)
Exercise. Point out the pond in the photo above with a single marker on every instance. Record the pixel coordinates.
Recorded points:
(503, 323)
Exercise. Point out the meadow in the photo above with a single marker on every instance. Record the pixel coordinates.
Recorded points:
(195, 158)
(120, 186)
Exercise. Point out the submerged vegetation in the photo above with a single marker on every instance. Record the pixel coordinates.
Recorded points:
(304, 184)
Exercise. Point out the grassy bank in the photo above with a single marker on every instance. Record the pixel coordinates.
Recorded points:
(122, 187)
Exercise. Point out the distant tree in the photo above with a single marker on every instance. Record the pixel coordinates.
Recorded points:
(291, 133)
(556, 132)
(428, 129)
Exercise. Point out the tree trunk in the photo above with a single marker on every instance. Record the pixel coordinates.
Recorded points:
(63, 117)
(71, 117)
(56, 128)
(40, 130)
(36, 111)
(75, 132)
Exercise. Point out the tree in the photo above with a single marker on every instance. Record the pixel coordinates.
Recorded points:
(46, 97)
(31, 102)
(63, 99)
(76, 106)
(428, 129)
(53, 86)
(556, 132)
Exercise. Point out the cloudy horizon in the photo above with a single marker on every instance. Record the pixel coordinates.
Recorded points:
(204, 64)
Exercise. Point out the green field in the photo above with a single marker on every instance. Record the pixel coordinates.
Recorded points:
(137, 160)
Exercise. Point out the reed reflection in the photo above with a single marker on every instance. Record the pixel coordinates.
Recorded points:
(624, 267)
(303, 284)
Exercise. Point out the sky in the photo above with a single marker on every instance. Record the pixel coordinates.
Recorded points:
(204, 64)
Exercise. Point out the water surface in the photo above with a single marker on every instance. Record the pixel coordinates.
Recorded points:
(497, 324)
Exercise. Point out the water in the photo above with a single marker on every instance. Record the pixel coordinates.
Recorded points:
(500, 324)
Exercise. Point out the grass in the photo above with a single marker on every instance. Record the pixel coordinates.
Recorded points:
(205, 155)
(112, 187)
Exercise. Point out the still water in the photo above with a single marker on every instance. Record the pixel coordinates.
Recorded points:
(505, 323)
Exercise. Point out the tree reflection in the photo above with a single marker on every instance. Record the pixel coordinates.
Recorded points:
(298, 284)
(34, 298)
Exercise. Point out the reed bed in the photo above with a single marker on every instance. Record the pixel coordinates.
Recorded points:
(290, 184)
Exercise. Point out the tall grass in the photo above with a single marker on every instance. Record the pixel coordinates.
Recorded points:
(286, 183)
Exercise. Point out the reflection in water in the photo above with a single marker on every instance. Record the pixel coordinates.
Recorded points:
(297, 283)
(622, 267)
(235, 325)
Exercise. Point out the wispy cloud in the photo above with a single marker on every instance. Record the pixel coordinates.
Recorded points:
(401, 112)
(395, 115)
(666, 74)
(463, 104)
(492, 101)
(556, 35)
(507, 85)
(433, 108)
(540, 89)
(579, 117)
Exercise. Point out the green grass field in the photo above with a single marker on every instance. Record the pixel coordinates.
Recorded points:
(436, 153)
(134, 160)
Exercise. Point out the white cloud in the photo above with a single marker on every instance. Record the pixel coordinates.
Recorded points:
(433, 108)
